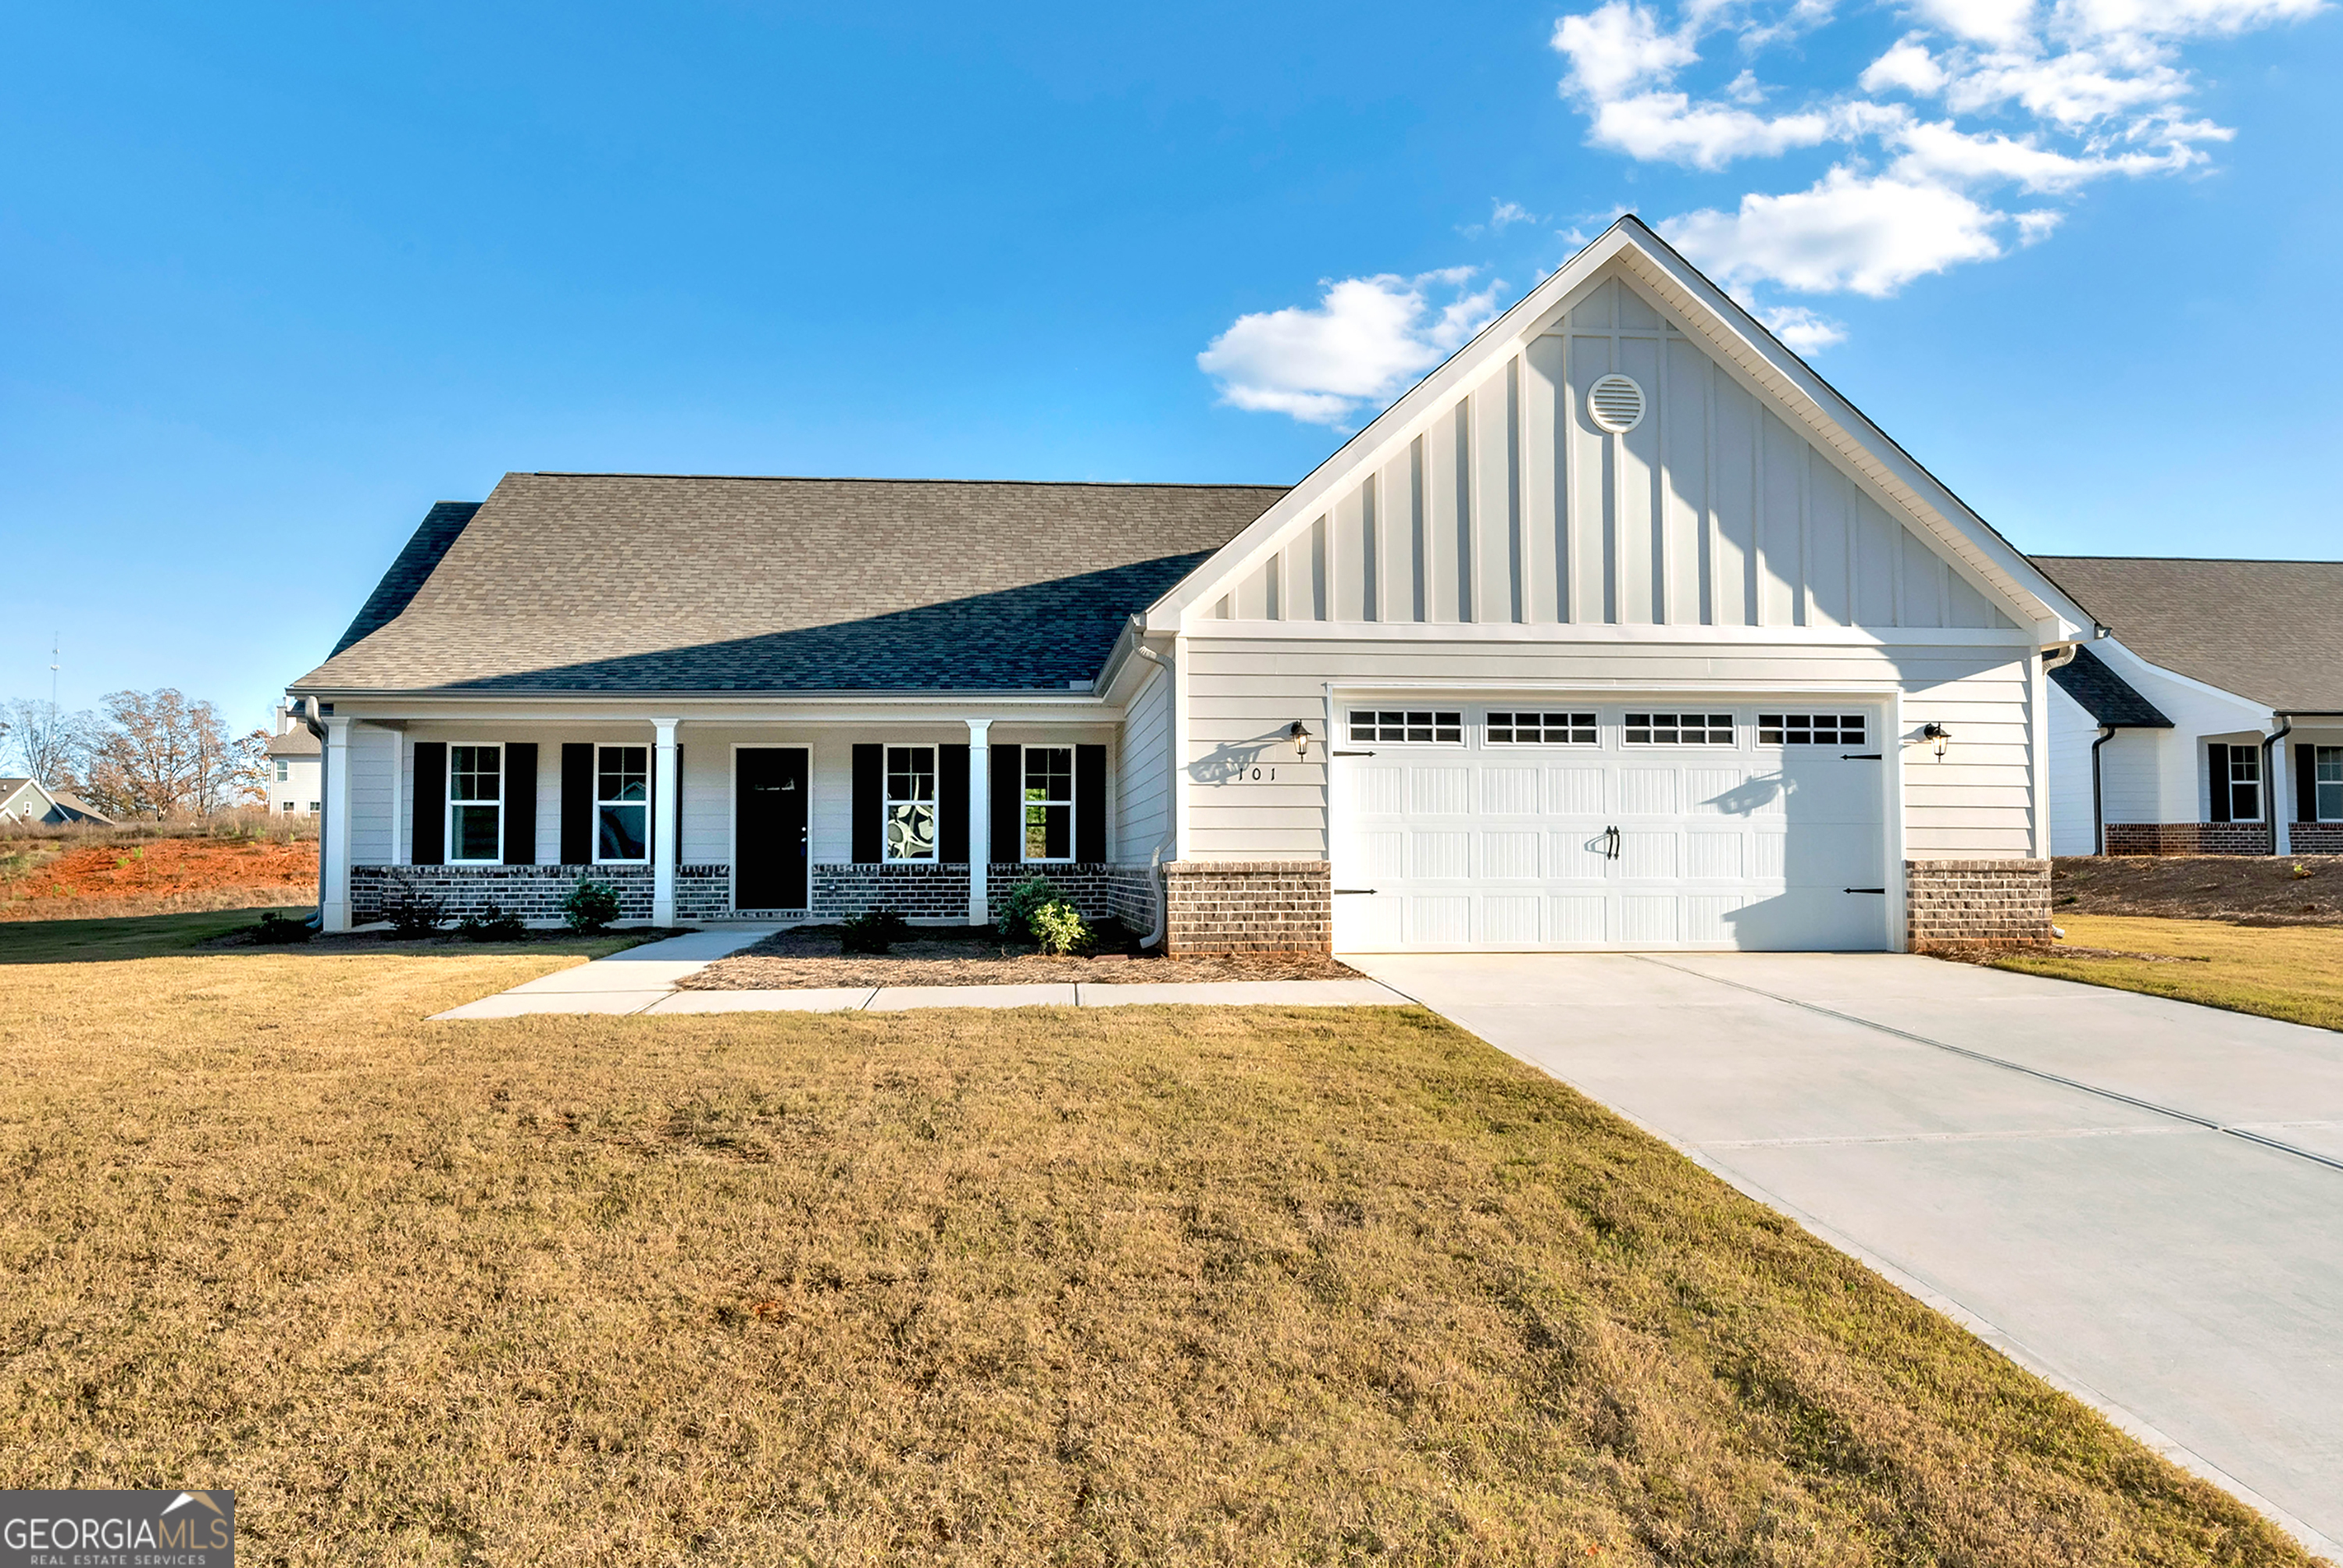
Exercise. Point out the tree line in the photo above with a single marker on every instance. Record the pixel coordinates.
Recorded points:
(154, 755)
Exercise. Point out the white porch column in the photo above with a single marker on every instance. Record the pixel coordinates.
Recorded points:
(664, 784)
(979, 822)
(2279, 785)
(334, 830)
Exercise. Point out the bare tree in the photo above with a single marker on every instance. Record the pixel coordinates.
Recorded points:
(52, 745)
(161, 756)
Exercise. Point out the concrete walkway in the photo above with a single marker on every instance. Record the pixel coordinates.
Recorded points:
(642, 980)
(2139, 1199)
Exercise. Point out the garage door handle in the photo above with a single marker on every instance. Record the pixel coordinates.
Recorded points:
(1339, 891)
(1862, 889)
(1353, 754)
(1860, 757)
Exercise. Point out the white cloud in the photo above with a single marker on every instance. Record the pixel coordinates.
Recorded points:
(1864, 233)
(1618, 47)
(1364, 341)
(1935, 150)
(1504, 214)
(2007, 21)
(1668, 126)
(1908, 65)
(1803, 330)
(2175, 18)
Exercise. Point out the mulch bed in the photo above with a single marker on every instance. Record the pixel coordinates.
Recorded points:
(806, 957)
(2247, 889)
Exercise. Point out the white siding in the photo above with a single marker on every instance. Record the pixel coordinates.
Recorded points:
(1245, 689)
(1143, 780)
(1510, 506)
(373, 754)
(2159, 775)
(2073, 829)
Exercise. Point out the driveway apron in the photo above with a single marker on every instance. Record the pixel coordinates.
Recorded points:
(2139, 1199)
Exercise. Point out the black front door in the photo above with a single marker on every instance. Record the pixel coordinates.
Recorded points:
(768, 828)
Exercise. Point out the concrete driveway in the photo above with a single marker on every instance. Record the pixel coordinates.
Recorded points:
(2139, 1199)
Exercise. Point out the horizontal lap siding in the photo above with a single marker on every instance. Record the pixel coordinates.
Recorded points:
(373, 759)
(2073, 831)
(1143, 776)
(1244, 691)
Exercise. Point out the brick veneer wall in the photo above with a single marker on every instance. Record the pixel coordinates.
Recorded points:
(2316, 838)
(2189, 837)
(535, 892)
(1249, 907)
(940, 892)
(1949, 905)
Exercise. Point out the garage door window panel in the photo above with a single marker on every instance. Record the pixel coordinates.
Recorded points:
(1678, 730)
(1408, 726)
(1810, 729)
(1521, 728)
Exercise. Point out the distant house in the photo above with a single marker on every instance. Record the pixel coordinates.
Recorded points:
(2211, 720)
(30, 801)
(294, 757)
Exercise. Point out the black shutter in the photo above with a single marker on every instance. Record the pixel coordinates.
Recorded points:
(2217, 763)
(2306, 783)
(951, 799)
(577, 803)
(1008, 805)
(869, 804)
(428, 841)
(520, 803)
(1089, 804)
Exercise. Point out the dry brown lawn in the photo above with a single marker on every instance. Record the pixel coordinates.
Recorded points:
(2256, 889)
(2292, 973)
(1111, 1286)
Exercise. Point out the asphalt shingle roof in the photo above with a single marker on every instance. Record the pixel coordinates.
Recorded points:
(634, 582)
(2106, 696)
(2268, 630)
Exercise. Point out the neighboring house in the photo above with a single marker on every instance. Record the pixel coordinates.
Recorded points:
(30, 801)
(2214, 710)
(292, 761)
(1622, 629)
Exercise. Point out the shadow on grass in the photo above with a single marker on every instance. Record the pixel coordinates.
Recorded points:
(131, 937)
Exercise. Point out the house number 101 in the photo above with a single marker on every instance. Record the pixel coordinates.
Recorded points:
(1255, 775)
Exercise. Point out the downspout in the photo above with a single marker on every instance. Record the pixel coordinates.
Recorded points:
(1155, 864)
(2270, 779)
(305, 709)
(2099, 793)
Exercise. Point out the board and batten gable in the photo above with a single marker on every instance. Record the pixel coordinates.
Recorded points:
(1501, 541)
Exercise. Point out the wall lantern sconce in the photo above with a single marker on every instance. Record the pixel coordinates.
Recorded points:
(1299, 733)
(1940, 735)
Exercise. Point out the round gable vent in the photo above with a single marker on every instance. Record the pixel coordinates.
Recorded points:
(1616, 404)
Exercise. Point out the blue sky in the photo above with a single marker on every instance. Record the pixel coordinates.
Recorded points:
(277, 278)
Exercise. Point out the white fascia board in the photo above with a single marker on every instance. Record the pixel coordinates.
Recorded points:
(792, 707)
(2146, 671)
(1580, 634)
(1740, 342)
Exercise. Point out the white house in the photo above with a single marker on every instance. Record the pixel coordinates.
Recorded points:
(292, 765)
(1622, 629)
(2211, 720)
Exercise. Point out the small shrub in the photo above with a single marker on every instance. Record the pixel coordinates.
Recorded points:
(2300, 872)
(590, 906)
(1017, 909)
(280, 930)
(491, 924)
(1058, 929)
(413, 914)
(873, 931)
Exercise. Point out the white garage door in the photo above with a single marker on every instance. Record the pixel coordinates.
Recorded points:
(1593, 825)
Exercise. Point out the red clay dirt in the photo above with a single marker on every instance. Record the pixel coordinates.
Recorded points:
(156, 875)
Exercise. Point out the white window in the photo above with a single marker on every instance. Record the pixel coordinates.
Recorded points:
(1679, 730)
(475, 810)
(1810, 729)
(315, 807)
(910, 803)
(2328, 784)
(284, 770)
(2243, 784)
(1048, 803)
(1433, 727)
(1541, 730)
(288, 807)
(622, 804)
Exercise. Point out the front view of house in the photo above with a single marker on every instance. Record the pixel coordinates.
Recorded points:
(1620, 630)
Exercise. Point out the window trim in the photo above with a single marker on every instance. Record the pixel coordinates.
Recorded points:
(1785, 725)
(1569, 725)
(1436, 721)
(1025, 801)
(886, 802)
(2318, 755)
(456, 805)
(651, 762)
(2249, 757)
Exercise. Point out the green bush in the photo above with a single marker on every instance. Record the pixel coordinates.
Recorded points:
(280, 930)
(590, 906)
(1017, 909)
(873, 931)
(491, 924)
(413, 914)
(1058, 929)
